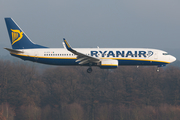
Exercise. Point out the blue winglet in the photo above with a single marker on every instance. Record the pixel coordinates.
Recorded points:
(67, 45)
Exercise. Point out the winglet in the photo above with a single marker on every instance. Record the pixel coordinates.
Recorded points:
(67, 45)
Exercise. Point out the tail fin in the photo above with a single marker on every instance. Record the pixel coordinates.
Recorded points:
(19, 40)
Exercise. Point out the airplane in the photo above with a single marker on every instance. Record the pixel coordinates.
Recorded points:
(105, 58)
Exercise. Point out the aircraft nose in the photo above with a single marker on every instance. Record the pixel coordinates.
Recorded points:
(172, 58)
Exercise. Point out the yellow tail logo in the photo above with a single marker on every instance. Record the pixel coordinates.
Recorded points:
(16, 35)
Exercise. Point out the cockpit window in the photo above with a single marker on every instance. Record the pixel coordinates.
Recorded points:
(165, 54)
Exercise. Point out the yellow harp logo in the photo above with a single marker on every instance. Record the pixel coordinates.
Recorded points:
(16, 35)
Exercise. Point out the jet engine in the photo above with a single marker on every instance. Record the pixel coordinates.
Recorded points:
(108, 64)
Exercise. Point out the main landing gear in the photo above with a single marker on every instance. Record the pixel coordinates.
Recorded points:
(89, 70)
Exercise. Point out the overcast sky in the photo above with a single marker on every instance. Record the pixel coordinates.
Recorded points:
(92, 23)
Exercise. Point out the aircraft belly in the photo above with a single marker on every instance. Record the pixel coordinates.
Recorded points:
(50, 61)
(139, 62)
(57, 61)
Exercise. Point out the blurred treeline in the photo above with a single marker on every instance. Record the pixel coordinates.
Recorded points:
(69, 93)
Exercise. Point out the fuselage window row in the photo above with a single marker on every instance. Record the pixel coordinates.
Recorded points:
(86, 54)
(89, 54)
(58, 54)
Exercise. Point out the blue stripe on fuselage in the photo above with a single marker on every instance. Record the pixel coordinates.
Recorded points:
(139, 62)
(71, 61)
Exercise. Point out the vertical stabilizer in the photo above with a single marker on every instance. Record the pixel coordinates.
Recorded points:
(18, 39)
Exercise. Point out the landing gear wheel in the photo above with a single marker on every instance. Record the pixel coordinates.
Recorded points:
(89, 70)
(157, 70)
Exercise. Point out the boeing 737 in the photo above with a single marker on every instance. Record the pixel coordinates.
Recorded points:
(105, 58)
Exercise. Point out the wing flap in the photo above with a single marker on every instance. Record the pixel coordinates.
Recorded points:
(81, 59)
(84, 62)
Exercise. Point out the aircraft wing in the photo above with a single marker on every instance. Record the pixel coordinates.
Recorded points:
(81, 58)
(13, 50)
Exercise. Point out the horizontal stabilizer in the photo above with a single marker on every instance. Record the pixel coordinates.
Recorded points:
(13, 50)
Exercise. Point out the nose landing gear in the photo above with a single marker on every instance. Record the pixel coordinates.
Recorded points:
(159, 67)
(157, 70)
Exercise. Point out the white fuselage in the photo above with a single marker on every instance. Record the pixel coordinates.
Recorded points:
(125, 56)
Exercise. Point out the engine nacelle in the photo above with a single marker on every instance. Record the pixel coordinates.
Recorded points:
(108, 64)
